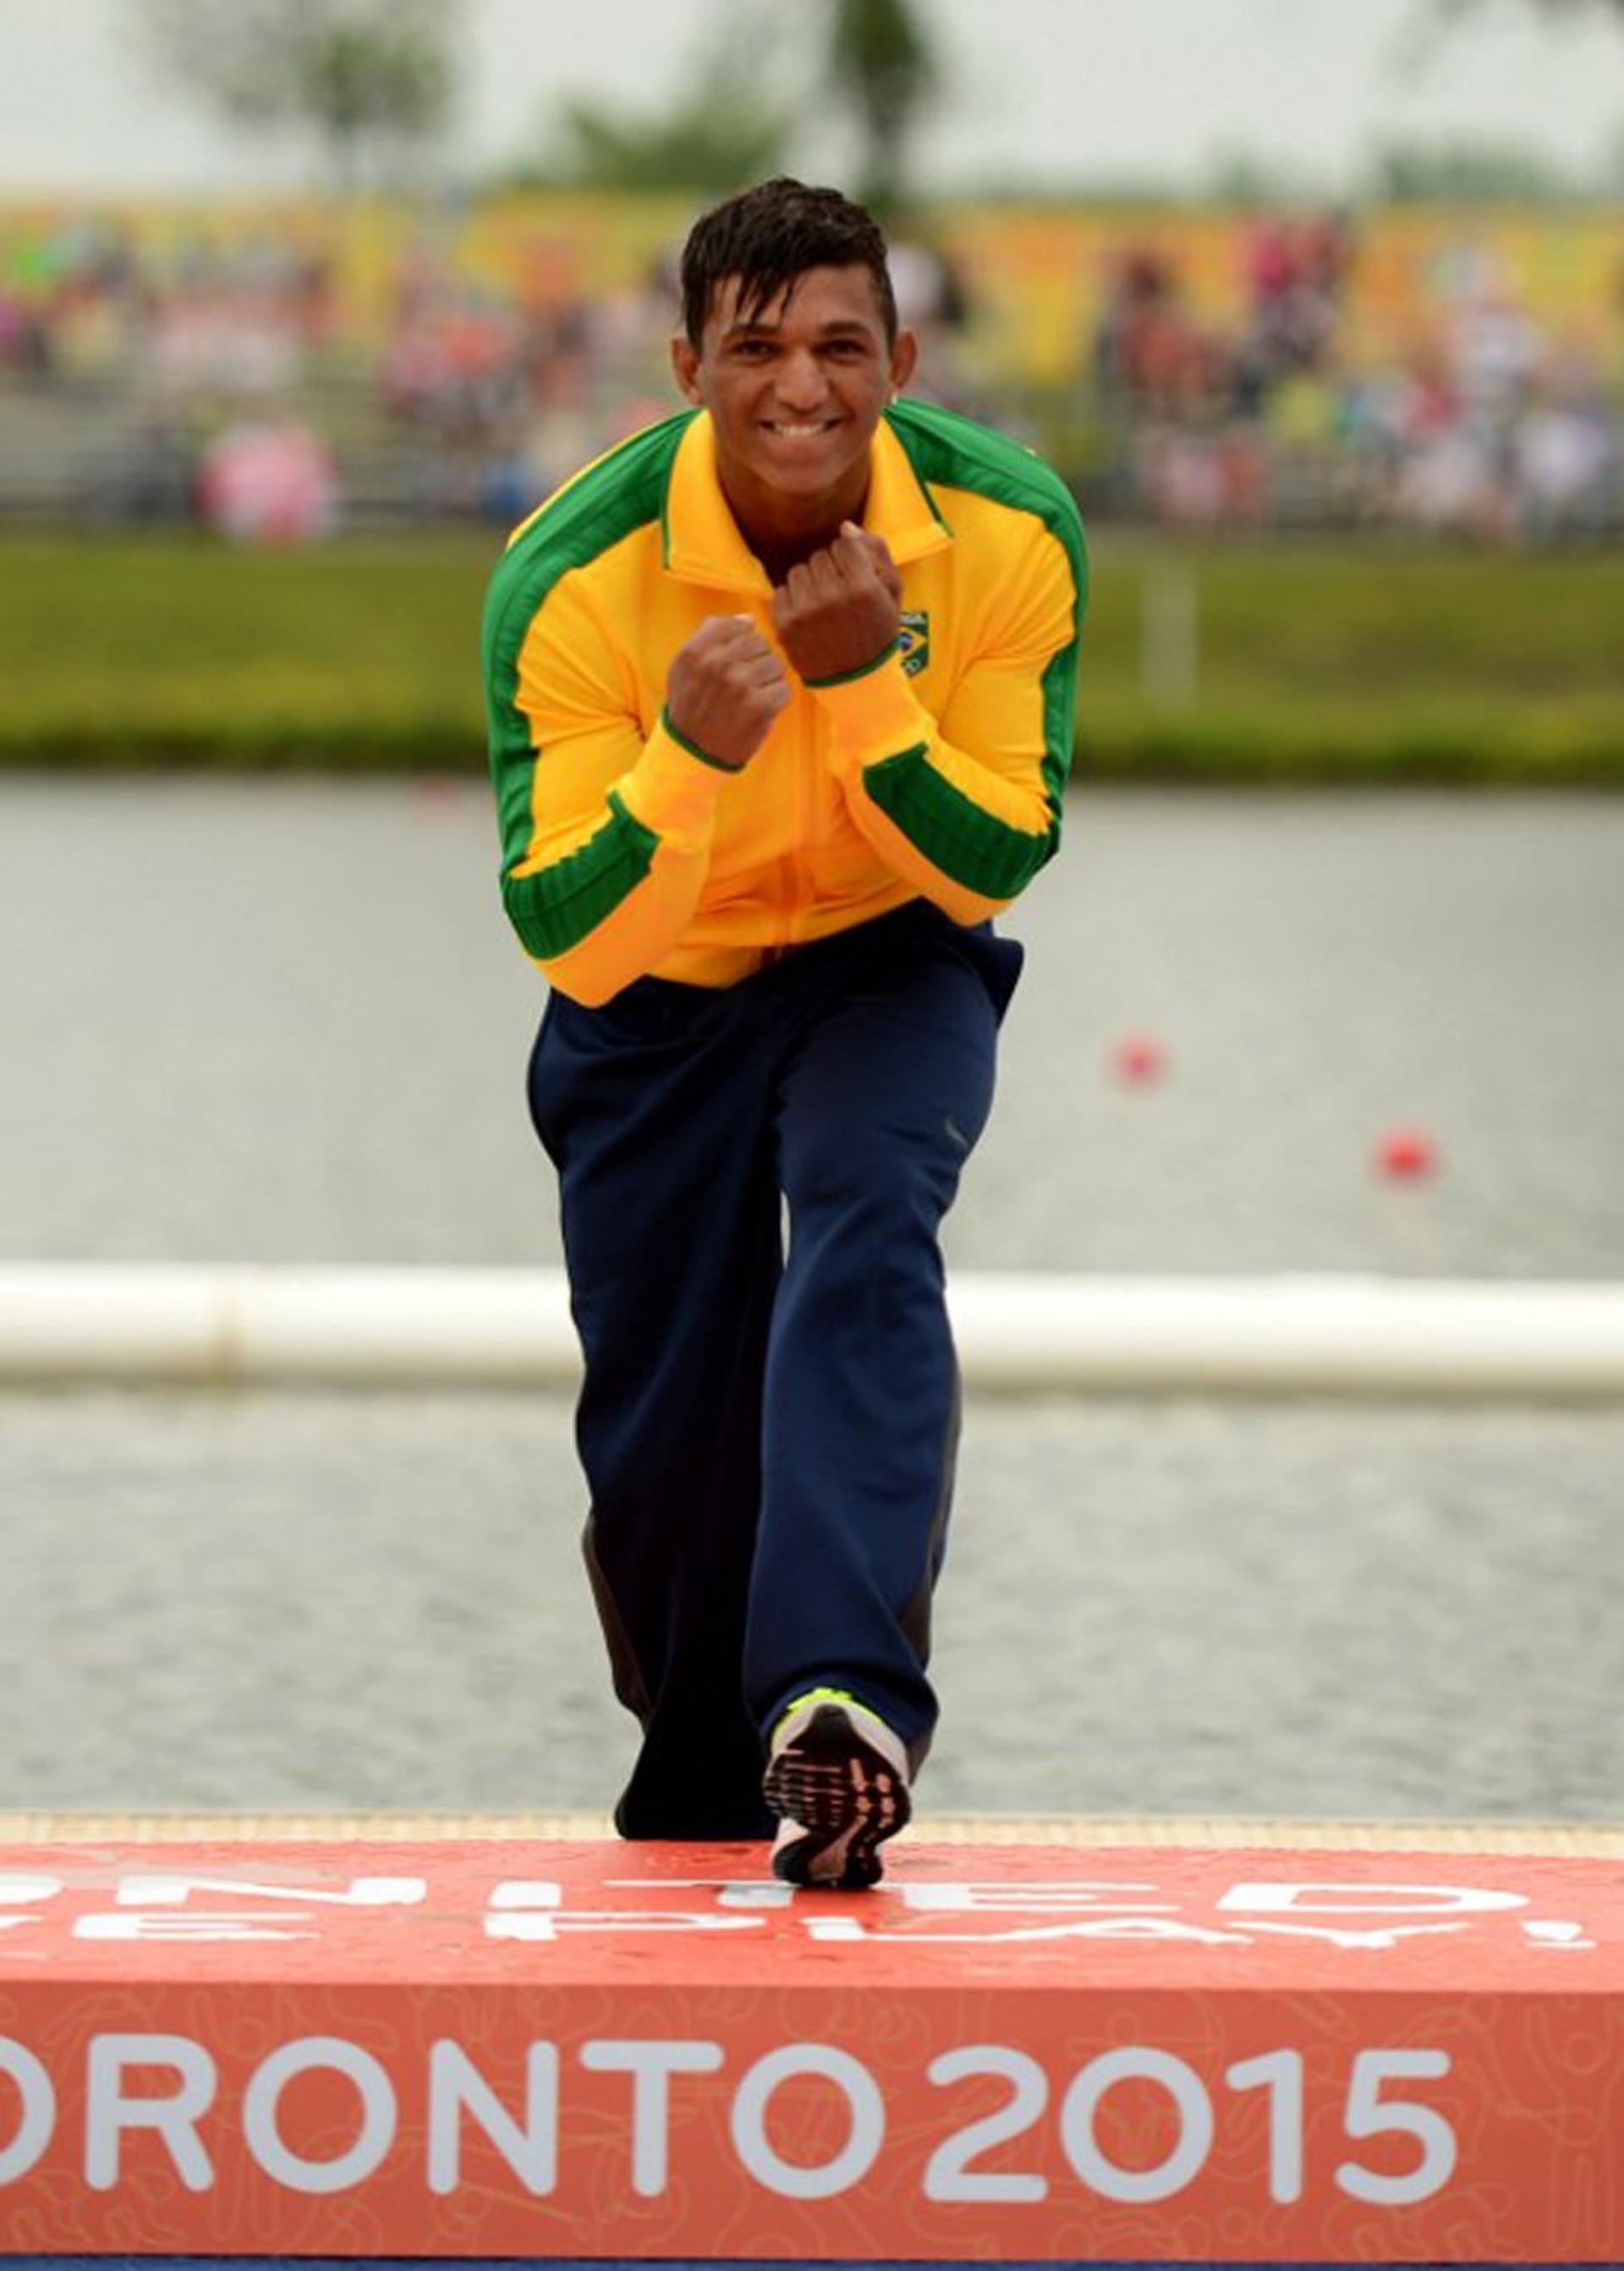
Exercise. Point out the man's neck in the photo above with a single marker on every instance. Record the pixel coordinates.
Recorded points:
(780, 554)
(784, 531)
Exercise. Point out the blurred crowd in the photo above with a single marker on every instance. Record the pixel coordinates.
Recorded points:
(239, 383)
(1485, 428)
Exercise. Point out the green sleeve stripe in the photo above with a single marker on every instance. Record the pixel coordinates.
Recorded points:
(969, 845)
(716, 764)
(624, 493)
(556, 908)
(514, 816)
(1060, 728)
(957, 452)
(863, 669)
(944, 446)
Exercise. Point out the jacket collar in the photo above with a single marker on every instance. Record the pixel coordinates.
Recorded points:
(701, 543)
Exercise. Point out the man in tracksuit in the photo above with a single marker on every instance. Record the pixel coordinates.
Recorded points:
(781, 698)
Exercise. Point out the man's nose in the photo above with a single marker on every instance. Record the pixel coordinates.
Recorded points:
(801, 382)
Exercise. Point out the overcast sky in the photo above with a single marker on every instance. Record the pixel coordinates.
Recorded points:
(1037, 90)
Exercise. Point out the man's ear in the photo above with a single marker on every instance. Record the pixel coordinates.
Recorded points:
(905, 355)
(685, 365)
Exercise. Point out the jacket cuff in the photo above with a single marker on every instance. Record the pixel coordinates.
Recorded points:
(874, 716)
(673, 789)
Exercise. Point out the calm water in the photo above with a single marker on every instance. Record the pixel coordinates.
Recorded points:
(284, 1021)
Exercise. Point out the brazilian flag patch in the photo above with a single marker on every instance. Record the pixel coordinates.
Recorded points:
(914, 640)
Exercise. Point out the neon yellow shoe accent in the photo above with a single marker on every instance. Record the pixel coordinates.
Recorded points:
(837, 1776)
(813, 1695)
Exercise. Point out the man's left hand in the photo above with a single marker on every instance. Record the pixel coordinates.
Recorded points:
(839, 610)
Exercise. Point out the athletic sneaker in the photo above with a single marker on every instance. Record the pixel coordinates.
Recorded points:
(840, 1778)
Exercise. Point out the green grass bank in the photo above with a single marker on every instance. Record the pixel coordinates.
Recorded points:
(1248, 662)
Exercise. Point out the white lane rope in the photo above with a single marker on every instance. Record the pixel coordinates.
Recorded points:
(241, 1324)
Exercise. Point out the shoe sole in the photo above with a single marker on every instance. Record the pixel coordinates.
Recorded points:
(845, 1797)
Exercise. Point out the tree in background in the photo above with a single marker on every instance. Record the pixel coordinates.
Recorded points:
(1434, 17)
(368, 77)
(1430, 19)
(1467, 173)
(881, 61)
(728, 124)
(1444, 12)
(704, 142)
(719, 131)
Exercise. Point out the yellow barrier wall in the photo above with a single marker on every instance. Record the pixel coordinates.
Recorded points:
(1037, 276)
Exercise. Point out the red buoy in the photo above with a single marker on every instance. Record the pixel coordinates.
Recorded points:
(1139, 1059)
(1407, 1154)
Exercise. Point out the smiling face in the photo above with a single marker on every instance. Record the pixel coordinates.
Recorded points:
(795, 391)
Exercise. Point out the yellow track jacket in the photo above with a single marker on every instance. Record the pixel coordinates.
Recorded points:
(936, 772)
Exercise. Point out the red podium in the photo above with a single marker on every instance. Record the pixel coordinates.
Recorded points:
(568, 2049)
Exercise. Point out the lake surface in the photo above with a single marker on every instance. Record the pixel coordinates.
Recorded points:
(283, 1020)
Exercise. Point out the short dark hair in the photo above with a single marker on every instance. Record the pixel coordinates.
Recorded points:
(770, 236)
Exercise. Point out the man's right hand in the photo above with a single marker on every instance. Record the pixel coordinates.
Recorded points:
(724, 688)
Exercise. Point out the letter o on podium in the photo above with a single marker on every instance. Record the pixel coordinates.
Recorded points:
(37, 2121)
(378, 2114)
(748, 2120)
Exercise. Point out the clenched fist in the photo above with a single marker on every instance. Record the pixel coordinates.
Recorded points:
(724, 688)
(840, 609)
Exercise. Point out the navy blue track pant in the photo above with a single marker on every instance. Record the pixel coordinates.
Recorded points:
(751, 1179)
